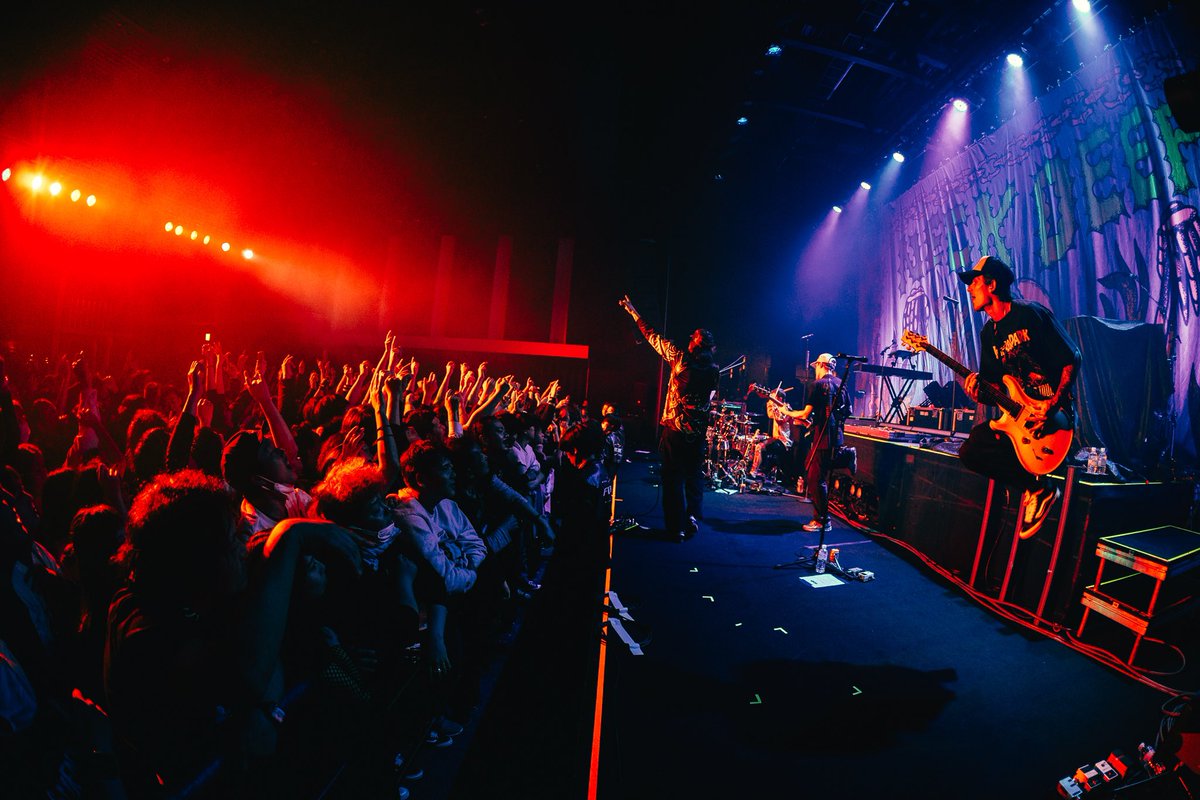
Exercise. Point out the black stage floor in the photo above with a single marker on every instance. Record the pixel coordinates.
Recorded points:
(757, 684)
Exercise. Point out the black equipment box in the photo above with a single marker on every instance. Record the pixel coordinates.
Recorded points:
(927, 417)
(964, 420)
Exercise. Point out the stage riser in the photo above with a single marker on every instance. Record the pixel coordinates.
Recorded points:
(928, 499)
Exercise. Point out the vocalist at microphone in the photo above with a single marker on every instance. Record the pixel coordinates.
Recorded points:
(845, 357)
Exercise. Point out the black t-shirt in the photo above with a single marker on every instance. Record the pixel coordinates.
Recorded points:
(1030, 345)
(822, 396)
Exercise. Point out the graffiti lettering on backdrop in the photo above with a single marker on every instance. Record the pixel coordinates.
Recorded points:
(1090, 194)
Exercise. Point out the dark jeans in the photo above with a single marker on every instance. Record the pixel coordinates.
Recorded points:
(817, 482)
(991, 454)
(682, 473)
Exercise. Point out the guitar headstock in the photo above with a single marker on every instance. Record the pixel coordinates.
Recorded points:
(758, 390)
(914, 341)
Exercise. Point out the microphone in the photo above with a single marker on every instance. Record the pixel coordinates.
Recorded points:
(806, 336)
(950, 299)
(845, 357)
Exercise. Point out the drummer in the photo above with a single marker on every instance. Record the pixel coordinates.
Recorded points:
(773, 450)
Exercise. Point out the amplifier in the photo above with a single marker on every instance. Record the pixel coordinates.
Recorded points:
(927, 417)
(964, 420)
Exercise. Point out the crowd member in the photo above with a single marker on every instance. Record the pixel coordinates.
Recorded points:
(191, 665)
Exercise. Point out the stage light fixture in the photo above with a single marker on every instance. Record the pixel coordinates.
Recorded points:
(170, 226)
(36, 183)
(774, 50)
(1082, 6)
(179, 230)
(207, 239)
(75, 195)
(837, 209)
(225, 246)
(194, 235)
(1015, 60)
(866, 186)
(898, 157)
(6, 174)
(247, 254)
(55, 189)
(743, 121)
(960, 105)
(91, 200)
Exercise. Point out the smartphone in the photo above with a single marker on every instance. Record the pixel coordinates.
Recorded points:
(208, 337)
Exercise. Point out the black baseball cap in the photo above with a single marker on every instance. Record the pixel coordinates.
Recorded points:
(991, 268)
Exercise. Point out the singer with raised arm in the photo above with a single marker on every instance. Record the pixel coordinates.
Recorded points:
(1027, 367)
(826, 413)
(685, 415)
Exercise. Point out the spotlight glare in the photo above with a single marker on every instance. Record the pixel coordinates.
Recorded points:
(866, 186)
(1082, 6)
(898, 157)
(774, 50)
(6, 174)
(36, 183)
(207, 239)
(837, 209)
(91, 200)
(194, 235)
(960, 105)
(1015, 60)
(743, 121)
(179, 230)
(225, 246)
(75, 195)
(54, 189)
(247, 254)
(170, 226)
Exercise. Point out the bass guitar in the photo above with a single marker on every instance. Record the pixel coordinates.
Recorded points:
(1041, 441)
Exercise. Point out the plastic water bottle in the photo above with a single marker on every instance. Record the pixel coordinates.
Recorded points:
(1102, 462)
(822, 558)
(1093, 459)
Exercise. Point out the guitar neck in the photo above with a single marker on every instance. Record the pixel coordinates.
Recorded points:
(987, 391)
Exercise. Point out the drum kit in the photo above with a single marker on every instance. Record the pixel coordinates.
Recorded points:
(732, 439)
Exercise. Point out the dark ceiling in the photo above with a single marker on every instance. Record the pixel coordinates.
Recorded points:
(612, 123)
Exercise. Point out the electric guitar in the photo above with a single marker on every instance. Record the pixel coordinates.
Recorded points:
(1039, 451)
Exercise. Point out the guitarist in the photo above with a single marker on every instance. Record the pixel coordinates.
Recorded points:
(685, 414)
(1026, 341)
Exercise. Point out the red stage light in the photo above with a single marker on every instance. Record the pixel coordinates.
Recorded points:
(170, 226)
(91, 201)
(194, 235)
(55, 188)
(206, 239)
(6, 174)
(179, 230)
(247, 254)
(75, 195)
(36, 183)
(225, 246)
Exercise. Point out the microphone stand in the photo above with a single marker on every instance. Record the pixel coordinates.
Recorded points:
(837, 402)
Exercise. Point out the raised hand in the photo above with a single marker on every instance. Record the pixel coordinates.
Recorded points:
(204, 412)
(258, 389)
(195, 376)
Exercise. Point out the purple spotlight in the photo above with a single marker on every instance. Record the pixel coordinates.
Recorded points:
(866, 186)
(1015, 60)
(837, 209)
(960, 105)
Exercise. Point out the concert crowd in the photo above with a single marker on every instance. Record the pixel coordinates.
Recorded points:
(239, 578)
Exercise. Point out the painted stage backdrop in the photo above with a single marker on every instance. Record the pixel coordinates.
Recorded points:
(1091, 195)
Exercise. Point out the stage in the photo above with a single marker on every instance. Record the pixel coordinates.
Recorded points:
(914, 684)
